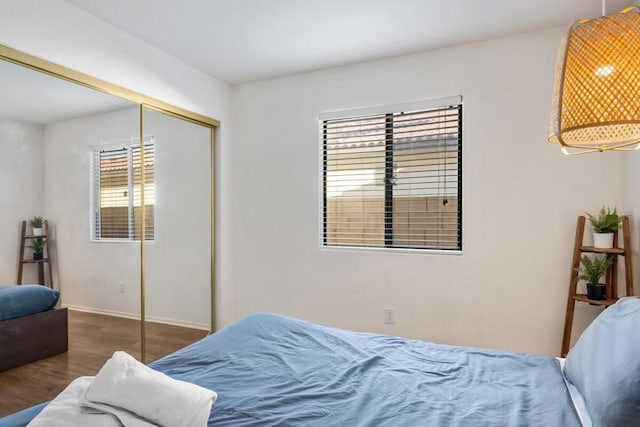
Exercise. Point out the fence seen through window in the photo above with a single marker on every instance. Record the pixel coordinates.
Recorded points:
(117, 196)
(394, 179)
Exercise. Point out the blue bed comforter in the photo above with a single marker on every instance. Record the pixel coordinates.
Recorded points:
(270, 370)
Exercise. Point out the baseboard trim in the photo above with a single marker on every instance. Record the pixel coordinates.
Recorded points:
(153, 319)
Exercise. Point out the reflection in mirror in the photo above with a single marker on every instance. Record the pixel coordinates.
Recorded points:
(178, 259)
(67, 153)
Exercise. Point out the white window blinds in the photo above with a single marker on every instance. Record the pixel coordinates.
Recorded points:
(117, 196)
(393, 179)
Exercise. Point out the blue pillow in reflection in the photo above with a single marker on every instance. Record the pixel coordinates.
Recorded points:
(23, 300)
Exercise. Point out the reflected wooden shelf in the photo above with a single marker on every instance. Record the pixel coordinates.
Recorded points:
(40, 263)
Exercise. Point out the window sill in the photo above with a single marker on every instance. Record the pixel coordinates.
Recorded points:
(126, 241)
(391, 250)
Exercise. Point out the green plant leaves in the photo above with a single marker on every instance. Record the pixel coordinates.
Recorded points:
(593, 270)
(36, 222)
(37, 245)
(606, 221)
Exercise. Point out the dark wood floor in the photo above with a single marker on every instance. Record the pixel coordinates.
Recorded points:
(92, 340)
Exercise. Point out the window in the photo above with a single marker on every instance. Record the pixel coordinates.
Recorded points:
(393, 178)
(116, 193)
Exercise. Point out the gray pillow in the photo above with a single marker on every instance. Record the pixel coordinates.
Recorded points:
(604, 365)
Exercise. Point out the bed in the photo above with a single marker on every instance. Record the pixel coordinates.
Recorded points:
(270, 370)
(31, 326)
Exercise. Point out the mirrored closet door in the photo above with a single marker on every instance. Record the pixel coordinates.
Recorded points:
(178, 250)
(68, 154)
(95, 159)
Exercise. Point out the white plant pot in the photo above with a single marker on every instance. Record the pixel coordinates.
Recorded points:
(603, 240)
(38, 231)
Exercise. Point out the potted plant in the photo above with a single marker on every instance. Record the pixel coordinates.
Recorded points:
(591, 271)
(36, 225)
(38, 248)
(603, 227)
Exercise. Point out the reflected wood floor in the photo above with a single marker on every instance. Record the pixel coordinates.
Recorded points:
(92, 340)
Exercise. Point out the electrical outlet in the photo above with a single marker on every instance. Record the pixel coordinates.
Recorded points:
(389, 315)
(122, 287)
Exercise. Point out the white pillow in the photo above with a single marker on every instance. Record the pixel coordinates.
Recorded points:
(124, 382)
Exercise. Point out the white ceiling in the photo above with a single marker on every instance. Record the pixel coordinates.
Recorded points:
(246, 40)
(32, 97)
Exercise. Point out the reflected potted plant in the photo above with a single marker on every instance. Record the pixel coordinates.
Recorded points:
(591, 271)
(604, 225)
(36, 225)
(38, 248)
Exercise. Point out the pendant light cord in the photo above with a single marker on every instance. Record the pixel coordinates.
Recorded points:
(604, 7)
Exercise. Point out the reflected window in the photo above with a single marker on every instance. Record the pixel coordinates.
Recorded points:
(394, 179)
(116, 193)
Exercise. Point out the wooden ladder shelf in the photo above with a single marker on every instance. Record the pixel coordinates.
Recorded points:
(47, 259)
(611, 276)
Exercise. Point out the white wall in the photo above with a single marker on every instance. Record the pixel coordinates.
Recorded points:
(21, 190)
(521, 198)
(61, 33)
(177, 262)
(632, 199)
(88, 273)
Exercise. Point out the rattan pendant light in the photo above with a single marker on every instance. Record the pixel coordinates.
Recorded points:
(596, 100)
